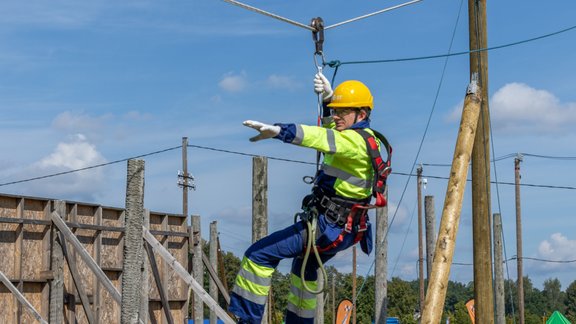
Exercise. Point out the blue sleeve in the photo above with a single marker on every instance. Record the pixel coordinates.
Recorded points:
(287, 132)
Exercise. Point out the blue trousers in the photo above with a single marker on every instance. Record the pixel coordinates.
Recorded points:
(263, 256)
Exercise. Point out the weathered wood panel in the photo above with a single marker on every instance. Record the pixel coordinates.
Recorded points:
(35, 252)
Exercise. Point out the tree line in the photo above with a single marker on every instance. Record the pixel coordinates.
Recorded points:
(403, 297)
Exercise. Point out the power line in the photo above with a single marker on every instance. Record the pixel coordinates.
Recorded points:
(337, 63)
(542, 260)
(277, 159)
(88, 167)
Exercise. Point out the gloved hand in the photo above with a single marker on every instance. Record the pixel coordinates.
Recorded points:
(322, 86)
(266, 131)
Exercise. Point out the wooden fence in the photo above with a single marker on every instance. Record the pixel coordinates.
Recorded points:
(26, 248)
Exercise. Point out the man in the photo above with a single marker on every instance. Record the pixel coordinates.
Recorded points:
(342, 189)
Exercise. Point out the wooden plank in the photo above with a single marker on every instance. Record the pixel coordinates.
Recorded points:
(173, 263)
(71, 309)
(97, 256)
(158, 280)
(18, 262)
(215, 277)
(57, 267)
(21, 298)
(100, 275)
(77, 281)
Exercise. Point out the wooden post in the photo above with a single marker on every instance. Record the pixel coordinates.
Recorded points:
(57, 268)
(430, 218)
(381, 265)
(333, 298)
(197, 268)
(259, 197)
(260, 208)
(420, 243)
(481, 215)
(319, 317)
(214, 263)
(499, 271)
(133, 256)
(519, 261)
(97, 258)
(354, 284)
(445, 245)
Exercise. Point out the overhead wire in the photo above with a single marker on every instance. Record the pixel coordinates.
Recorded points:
(298, 24)
(88, 167)
(336, 63)
(408, 174)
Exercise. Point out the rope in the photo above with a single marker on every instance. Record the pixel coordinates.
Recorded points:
(295, 23)
(269, 14)
(311, 229)
(373, 14)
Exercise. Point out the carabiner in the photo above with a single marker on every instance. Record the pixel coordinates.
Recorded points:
(318, 33)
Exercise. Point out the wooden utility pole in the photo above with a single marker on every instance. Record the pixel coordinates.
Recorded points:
(185, 175)
(260, 209)
(430, 218)
(444, 252)
(354, 284)
(420, 243)
(333, 297)
(381, 265)
(519, 261)
(499, 271)
(481, 215)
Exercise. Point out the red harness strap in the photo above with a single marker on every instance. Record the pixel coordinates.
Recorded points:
(381, 171)
(349, 226)
(381, 168)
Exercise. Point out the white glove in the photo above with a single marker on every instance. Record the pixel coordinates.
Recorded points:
(266, 131)
(322, 86)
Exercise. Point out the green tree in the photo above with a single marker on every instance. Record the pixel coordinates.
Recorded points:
(402, 300)
(570, 302)
(553, 296)
(460, 313)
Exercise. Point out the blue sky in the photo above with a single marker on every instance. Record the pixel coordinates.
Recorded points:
(90, 83)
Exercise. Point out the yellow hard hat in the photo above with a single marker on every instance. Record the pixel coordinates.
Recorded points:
(352, 94)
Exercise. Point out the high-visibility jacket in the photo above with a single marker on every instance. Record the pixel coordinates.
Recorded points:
(346, 169)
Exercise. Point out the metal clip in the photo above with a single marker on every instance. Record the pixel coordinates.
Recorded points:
(318, 34)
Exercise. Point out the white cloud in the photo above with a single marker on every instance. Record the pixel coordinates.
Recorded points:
(282, 82)
(520, 108)
(232, 82)
(74, 154)
(557, 248)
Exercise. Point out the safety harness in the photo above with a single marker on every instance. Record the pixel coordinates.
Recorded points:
(351, 215)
